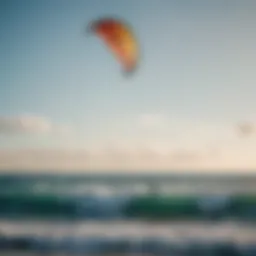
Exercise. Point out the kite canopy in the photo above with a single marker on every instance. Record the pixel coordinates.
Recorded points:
(120, 39)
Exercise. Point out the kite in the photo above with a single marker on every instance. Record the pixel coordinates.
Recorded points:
(246, 129)
(120, 39)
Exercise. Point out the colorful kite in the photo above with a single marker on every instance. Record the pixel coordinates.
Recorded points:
(120, 39)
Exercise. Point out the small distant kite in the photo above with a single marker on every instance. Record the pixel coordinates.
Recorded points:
(120, 39)
(246, 129)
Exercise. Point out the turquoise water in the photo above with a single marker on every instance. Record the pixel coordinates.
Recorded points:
(153, 197)
(160, 214)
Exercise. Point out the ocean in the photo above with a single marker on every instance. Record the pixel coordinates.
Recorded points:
(149, 214)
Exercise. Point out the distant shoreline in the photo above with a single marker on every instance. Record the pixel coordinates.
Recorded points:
(239, 173)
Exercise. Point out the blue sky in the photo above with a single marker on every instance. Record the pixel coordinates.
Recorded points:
(195, 82)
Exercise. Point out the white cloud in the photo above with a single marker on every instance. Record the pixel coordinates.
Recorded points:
(29, 124)
(124, 153)
(123, 159)
(116, 159)
(153, 120)
(30, 159)
(186, 156)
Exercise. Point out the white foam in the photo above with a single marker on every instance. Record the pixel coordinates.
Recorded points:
(174, 231)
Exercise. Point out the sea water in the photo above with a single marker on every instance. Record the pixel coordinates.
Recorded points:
(61, 213)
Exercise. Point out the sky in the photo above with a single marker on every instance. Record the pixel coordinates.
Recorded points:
(65, 105)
